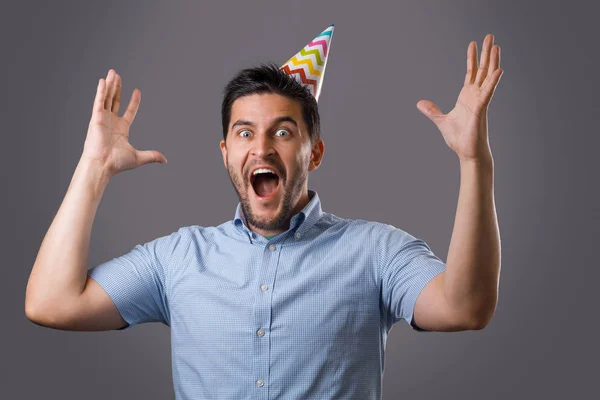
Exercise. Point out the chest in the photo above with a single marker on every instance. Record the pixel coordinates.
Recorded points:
(295, 286)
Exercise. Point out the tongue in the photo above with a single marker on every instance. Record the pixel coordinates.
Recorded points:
(265, 184)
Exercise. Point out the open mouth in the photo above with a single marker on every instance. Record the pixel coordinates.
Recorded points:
(264, 183)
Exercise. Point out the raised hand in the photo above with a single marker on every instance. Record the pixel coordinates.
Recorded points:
(465, 127)
(107, 140)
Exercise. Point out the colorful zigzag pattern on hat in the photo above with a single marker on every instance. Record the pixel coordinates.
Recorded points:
(308, 65)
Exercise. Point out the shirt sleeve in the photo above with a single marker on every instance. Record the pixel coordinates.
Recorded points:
(407, 265)
(137, 281)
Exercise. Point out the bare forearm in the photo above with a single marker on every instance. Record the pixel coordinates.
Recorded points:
(473, 265)
(60, 269)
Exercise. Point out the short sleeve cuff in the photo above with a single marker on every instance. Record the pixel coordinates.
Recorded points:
(105, 279)
(432, 271)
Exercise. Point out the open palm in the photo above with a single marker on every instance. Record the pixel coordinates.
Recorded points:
(107, 139)
(465, 127)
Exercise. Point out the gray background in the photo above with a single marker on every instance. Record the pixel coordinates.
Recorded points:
(384, 161)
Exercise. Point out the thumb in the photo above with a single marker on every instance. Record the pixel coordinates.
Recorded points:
(149, 156)
(430, 110)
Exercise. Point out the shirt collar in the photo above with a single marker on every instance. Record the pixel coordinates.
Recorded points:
(300, 222)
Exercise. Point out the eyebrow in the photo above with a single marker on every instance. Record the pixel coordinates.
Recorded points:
(284, 118)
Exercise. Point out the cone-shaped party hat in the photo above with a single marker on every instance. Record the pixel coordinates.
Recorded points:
(308, 65)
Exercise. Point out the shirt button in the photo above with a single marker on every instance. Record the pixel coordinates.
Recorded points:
(259, 383)
(297, 235)
(260, 332)
(272, 247)
(264, 287)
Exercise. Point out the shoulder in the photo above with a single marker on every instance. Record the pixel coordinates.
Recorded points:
(390, 234)
(200, 234)
(374, 229)
(374, 232)
(388, 241)
(181, 239)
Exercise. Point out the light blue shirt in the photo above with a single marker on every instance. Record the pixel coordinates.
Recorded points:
(304, 315)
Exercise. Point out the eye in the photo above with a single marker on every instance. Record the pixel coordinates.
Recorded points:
(245, 133)
(285, 131)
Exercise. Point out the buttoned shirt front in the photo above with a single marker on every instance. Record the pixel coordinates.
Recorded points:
(303, 315)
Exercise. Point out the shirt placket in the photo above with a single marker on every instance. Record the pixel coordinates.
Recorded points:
(262, 318)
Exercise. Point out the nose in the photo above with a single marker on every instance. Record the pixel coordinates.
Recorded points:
(263, 146)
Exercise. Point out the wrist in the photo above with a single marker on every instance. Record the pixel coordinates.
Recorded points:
(480, 169)
(93, 175)
(485, 160)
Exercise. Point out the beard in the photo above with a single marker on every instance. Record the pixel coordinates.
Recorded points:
(291, 189)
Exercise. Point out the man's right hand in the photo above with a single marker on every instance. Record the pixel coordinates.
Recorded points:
(107, 141)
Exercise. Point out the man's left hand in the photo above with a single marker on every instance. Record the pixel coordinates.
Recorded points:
(465, 127)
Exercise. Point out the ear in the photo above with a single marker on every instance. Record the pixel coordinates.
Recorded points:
(223, 147)
(316, 155)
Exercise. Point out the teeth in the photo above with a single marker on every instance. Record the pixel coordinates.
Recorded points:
(263, 171)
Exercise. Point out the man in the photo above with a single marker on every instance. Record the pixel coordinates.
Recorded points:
(285, 300)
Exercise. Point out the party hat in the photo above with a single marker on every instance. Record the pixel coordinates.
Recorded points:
(308, 65)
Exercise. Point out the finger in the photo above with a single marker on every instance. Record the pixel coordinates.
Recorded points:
(149, 156)
(471, 63)
(133, 106)
(430, 110)
(100, 94)
(494, 58)
(110, 79)
(490, 84)
(117, 100)
(485, 59)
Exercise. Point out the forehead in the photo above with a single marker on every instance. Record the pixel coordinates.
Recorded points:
(265, 107)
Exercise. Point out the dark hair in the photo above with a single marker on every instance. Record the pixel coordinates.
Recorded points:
(268, 78)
